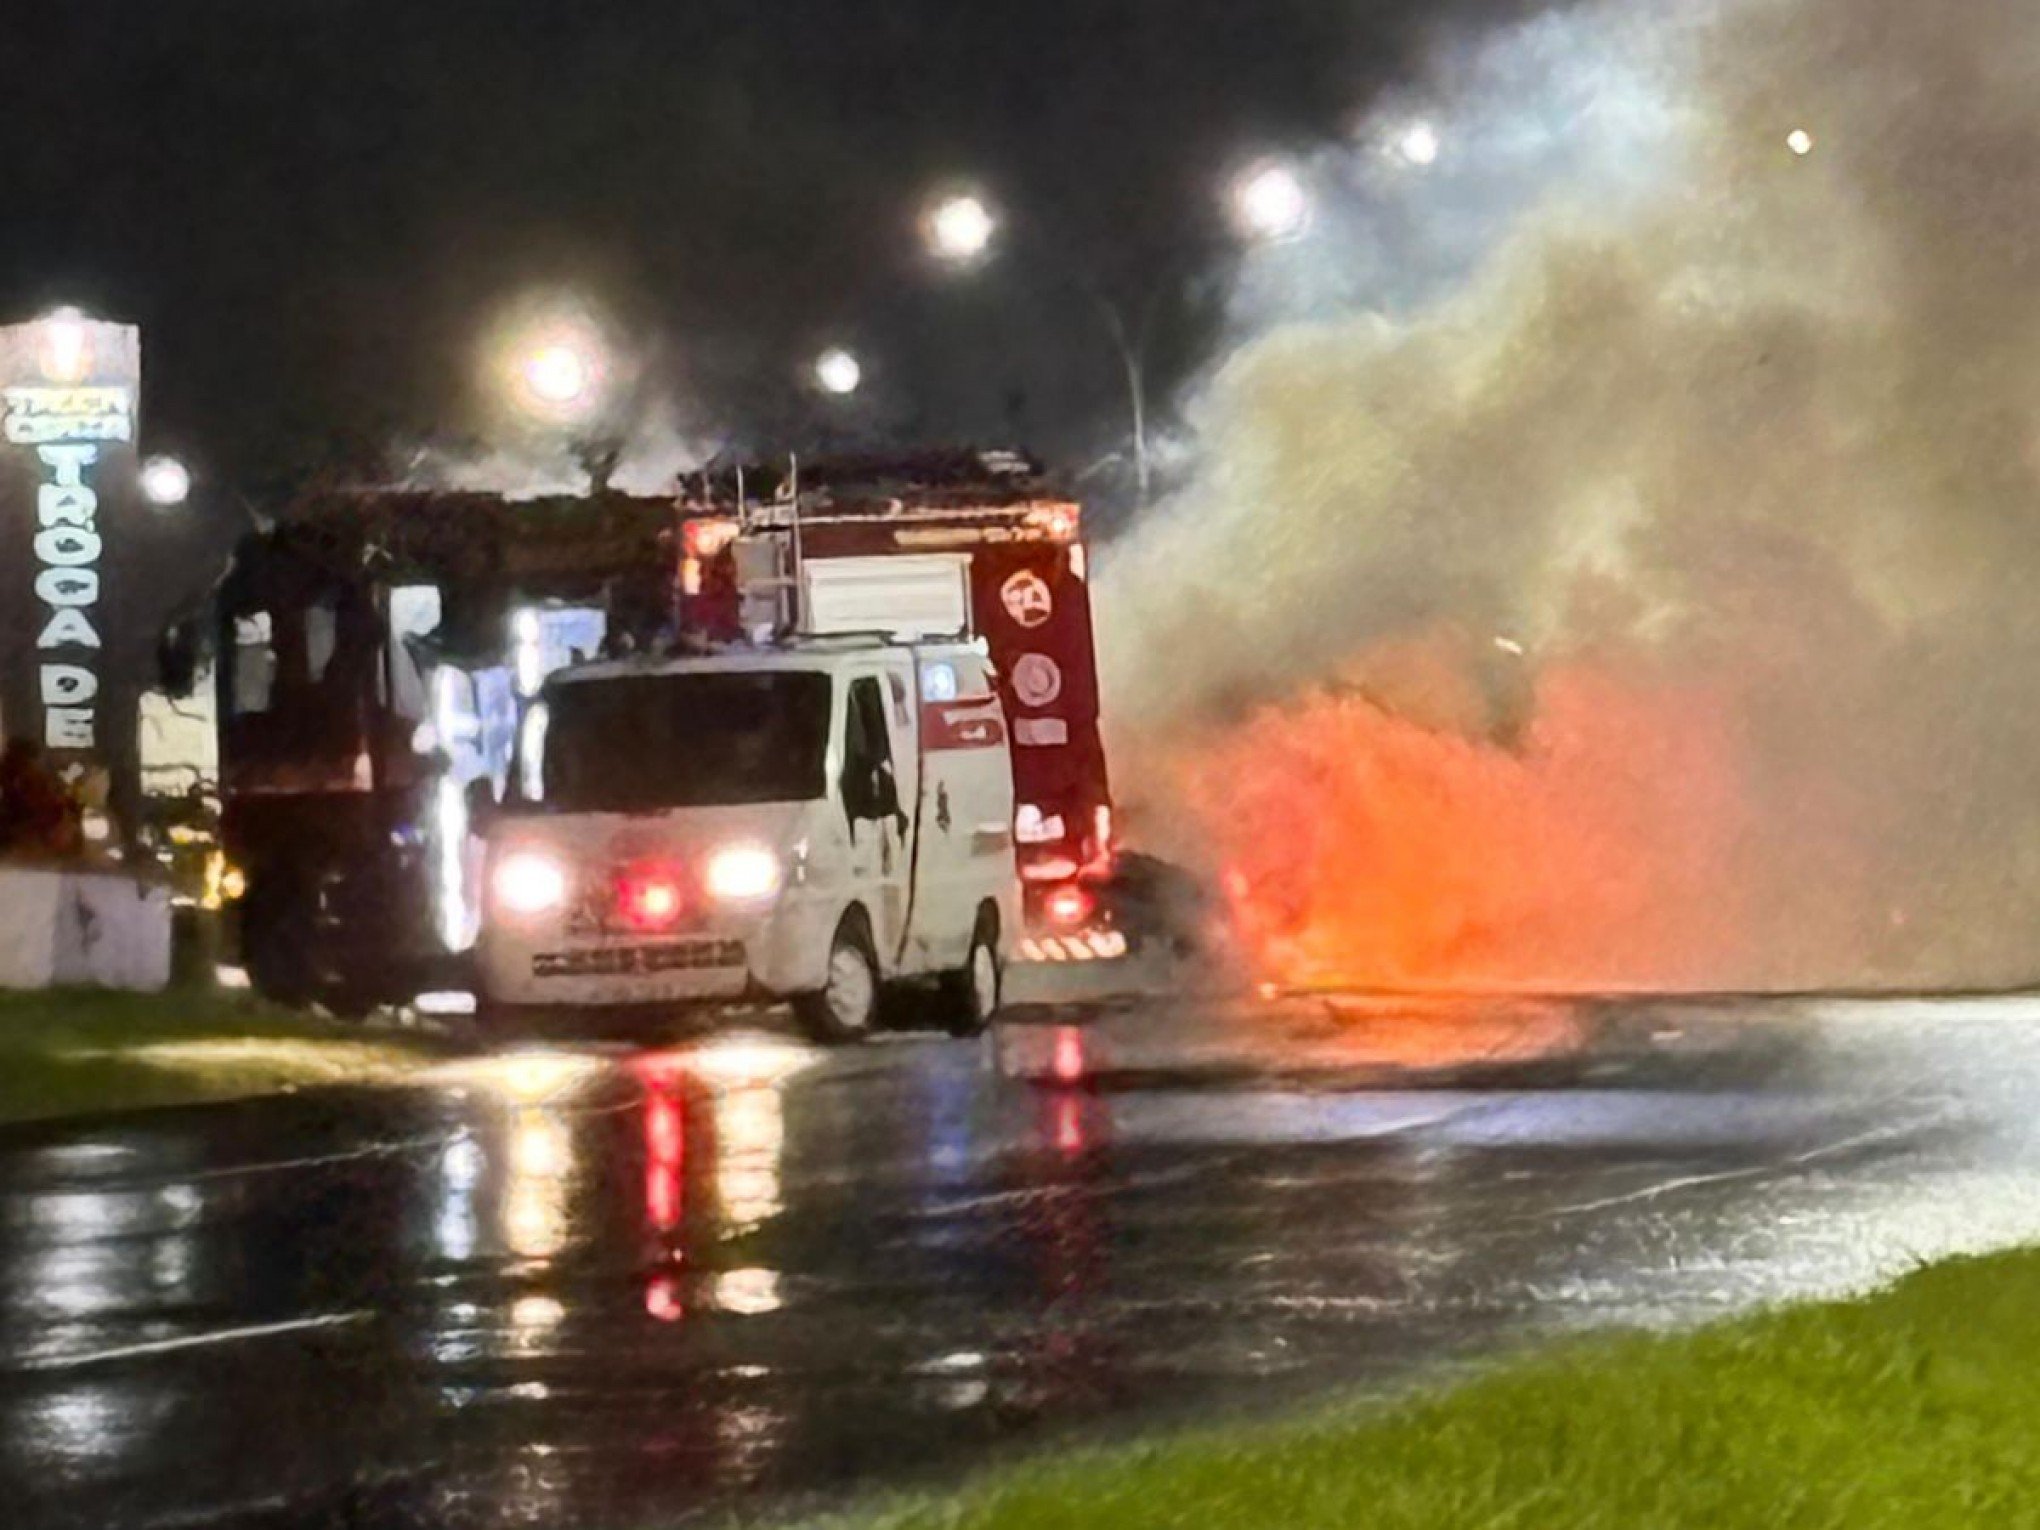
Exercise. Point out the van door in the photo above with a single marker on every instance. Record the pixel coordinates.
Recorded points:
(873, 801)
(965, 855)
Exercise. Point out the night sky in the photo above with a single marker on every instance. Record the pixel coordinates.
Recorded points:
(313, 207)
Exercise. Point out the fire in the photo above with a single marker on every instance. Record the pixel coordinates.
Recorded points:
(1606, 847)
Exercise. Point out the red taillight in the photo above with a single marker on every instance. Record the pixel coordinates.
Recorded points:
(648, 898)
(1068, 905)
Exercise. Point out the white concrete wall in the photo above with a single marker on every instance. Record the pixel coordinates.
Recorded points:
(71, 926)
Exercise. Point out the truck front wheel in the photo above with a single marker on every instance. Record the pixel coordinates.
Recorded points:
(842, 1010)
(277, 933)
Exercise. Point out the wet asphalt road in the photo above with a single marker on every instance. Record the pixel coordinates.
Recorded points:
(563, 1287)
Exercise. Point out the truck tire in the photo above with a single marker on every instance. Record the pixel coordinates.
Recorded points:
(845, 1008)
(277, 932)
(971, 995)
(347, 1001)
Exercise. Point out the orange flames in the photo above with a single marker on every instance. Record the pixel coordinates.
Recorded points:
(1607, 847)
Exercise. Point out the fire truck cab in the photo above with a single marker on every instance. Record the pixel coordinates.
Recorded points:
(814, 820)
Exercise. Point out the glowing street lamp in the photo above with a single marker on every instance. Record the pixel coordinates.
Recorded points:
(166, 482)
(958, 228)
(559, 376)
(552, 364)
(837, 371)
(1418, 144)
(1269, 202)
(1799, 141)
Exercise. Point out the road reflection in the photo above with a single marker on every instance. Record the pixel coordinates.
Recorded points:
(612, 1287)
(538, 1183)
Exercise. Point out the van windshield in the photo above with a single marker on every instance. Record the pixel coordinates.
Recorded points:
(641, 742)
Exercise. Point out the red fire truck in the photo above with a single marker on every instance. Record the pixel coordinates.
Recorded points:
(381, 653)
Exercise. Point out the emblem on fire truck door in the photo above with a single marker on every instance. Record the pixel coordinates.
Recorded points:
(1026, 599)
(1037, 679)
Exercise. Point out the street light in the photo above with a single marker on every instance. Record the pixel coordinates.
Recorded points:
(1418, 143)
(166, 482)
(1799, 141)
(558, 376)
(552, 364)
(837, 371)
(958, 228)
(1269, 202)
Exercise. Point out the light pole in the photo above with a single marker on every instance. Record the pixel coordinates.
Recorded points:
(1268, 202)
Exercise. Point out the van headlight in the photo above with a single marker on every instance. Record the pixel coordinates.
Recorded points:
(742, 874)
(528, 882)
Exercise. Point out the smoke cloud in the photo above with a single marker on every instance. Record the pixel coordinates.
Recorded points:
(651, 456)
(1614, 551)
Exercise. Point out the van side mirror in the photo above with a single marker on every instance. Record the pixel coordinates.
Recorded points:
(885, 794)
(869, 791)
(481, 804)
(860, 790)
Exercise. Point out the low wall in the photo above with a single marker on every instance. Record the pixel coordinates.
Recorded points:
(62, 926)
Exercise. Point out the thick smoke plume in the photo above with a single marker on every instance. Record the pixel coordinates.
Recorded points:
(1648, 590)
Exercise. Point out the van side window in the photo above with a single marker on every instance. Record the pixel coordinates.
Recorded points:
(868, 787)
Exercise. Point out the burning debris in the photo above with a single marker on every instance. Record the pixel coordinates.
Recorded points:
(1733, 440)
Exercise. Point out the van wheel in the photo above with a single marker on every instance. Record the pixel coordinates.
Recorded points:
(971, 995)
(844, 1008)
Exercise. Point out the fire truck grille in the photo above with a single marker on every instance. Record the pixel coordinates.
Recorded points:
(625, 961)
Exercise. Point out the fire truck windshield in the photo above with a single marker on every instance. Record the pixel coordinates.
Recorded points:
(642, 742)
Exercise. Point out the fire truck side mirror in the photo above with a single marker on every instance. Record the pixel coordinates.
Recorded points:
(177, 659)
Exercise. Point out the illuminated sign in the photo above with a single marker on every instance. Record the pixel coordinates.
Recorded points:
(67, 414)
(36, 415)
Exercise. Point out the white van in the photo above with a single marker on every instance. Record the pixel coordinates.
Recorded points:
(816, 822)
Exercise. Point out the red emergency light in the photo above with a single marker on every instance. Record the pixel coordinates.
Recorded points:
(649, 897)
(705, 536)
(1068, 904)
(1060, 522)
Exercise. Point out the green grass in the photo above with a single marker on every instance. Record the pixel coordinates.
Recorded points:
(1917, 1406)
(71, 1051)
